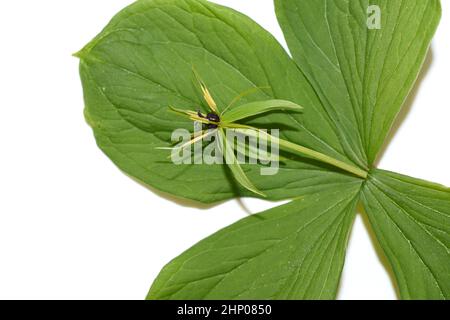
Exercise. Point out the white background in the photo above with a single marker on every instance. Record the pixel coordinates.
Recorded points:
(72, 226)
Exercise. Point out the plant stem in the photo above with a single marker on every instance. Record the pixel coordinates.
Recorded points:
(289, 146)
(323, 158)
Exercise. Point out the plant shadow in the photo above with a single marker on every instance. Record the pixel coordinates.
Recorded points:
(407, 106)
(187, 203)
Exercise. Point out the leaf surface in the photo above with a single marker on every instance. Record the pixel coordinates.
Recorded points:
(411, 219)
(295, 251)
(362, 75)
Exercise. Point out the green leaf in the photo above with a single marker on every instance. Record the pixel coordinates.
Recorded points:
(142, 62)
(256, 108)
(411, 219)
(295, 251)
(361, 75)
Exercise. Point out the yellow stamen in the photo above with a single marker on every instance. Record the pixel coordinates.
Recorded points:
(209, 99)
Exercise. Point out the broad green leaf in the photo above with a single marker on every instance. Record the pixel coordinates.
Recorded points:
(295, 251)
(411, 219)
(259, 107)
(142, 63)
(362, 75)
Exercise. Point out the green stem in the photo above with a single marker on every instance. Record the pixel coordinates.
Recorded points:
(323, 158)
(289, 146)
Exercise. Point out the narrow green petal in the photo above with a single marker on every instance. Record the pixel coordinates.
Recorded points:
(259, 107)
(232, 163)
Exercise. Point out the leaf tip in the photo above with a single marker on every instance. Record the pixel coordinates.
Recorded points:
(78, 54)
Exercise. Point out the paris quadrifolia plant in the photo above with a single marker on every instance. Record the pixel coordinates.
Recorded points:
(326, 108)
